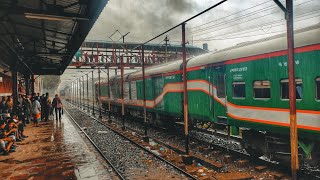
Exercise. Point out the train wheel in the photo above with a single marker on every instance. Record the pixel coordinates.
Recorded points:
(254, 153)
(315, 155)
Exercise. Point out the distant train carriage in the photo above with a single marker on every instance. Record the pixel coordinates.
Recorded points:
(62, 93)
(245, 87)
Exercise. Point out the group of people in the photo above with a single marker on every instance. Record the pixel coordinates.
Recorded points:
(34, 108)
(42, 107)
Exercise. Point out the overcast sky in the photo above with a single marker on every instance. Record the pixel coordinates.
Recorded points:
(234, 22)
(145, 19)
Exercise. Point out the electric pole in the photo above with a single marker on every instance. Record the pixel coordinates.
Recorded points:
(166, 44)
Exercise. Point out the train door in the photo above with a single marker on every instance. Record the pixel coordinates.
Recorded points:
(220, 110)
(211, 75)
(157, 88)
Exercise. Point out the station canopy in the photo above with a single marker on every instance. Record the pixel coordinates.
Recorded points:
(41, 36)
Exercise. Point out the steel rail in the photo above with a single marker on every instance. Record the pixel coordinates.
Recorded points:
(149, 151)
(301, 173)
(142, 147)
(96, 147)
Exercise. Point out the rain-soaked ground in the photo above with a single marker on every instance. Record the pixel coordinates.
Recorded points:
(55, 150)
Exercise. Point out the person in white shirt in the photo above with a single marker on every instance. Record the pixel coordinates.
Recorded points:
(36, 111)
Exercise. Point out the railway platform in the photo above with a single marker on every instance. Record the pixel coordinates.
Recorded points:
(55, 150)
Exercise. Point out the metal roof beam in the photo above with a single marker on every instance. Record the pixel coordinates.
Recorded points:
(281, 6)
(70, 5)
(46, 54)
(32, 37)
(18, 57)
(36, 43)
(37, 27)
(47, 40)
(43, 14)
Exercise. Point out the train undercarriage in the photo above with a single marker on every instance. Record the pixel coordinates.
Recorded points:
(273, 147)
(277, 148)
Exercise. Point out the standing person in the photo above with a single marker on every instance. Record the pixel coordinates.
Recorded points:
(38, 96)
(3, 100)
(20, 98)
(57, 104)
(42, 103)
(36, 111)
(27, 108)
(21, 112)
(9, 104)
(47, 107)
(2, 106)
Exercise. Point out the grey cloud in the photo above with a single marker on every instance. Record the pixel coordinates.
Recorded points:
(143, 18)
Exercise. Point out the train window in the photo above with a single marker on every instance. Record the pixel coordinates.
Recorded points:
(239, 89)
(261, 89)
(221, 87)
(318, 88)
(285, 89)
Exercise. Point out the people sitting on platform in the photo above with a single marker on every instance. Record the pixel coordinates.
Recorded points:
(14, 129)
(10, 124)
(5, 141)
(36, 111)
(57, 105)
(20, 128)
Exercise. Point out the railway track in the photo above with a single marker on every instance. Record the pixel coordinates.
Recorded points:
(200, 146)
(216, 157)
(118, 174)
(128, 158)
(202, 143)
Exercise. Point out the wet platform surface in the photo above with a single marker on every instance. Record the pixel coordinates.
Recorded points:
(55, 150)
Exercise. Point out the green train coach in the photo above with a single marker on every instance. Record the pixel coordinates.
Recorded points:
(243, 87)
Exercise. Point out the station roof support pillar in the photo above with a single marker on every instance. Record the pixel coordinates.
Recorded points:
(32, 84)
(27, 83)
(14, 88)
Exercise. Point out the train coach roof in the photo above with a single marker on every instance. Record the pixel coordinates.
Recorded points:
(157, 69)
(117, 78)
(303, 37)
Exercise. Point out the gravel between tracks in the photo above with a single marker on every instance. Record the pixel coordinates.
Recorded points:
(130, 160)
(168, 138)
(178, 141)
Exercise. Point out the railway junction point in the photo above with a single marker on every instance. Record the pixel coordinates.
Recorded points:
(150, 110)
